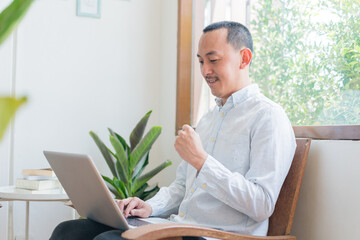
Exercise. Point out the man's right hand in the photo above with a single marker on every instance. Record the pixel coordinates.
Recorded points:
(135, 207)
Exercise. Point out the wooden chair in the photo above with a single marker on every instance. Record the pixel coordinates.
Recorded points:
(279, 223)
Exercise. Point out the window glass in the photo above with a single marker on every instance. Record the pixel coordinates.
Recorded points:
(307, 58)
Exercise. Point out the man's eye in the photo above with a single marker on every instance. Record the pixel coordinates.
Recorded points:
(201, 62)
(213, 60)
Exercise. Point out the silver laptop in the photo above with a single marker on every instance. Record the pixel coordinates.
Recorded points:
(88, 192)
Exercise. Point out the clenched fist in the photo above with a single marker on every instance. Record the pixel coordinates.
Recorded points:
(188, 145)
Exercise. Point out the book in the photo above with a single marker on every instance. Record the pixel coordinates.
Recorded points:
(39, 172)
(32, 177)
(37, 184)
(46, 191)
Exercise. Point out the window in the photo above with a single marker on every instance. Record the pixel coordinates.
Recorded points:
(307, 56)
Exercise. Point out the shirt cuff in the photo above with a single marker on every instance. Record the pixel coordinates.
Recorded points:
(154, 206)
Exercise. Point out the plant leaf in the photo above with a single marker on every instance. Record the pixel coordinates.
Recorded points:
(147, 176)
(121, 188)
(11, 16)
(140, 191)
(149, 194)
(122, 140)
(120, 171)
(121, 163)
(8, 107)
(104, 151)
(140, 166)
(113, 154)
(111, 186)
(138, 131)
(144, 146)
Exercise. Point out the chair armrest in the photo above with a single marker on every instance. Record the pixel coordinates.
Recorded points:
(176, 231)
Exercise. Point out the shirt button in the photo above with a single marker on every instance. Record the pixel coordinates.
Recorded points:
(222, 115)
(181, 214)
(213, 140)
(204, 185)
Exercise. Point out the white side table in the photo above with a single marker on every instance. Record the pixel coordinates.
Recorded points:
(9, 193)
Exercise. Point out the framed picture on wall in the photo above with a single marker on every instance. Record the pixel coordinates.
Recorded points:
(89, 8)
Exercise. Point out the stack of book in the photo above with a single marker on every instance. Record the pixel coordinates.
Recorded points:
(38, 181)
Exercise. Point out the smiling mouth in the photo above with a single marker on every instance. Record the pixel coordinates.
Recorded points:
(211, 80)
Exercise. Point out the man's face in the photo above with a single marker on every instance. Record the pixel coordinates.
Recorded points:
(220, 63)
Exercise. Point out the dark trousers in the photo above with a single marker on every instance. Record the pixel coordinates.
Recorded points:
(83, 229)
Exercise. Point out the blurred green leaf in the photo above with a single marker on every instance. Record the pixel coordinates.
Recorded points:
(11, 16)
(8, 107)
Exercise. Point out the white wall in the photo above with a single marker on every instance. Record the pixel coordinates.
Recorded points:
(83, 74)
(168, 92)
(328, 206)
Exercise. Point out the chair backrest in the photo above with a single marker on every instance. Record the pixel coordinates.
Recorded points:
(281, 220)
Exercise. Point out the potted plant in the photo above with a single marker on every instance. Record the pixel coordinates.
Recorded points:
(9, 18)
(127, 163)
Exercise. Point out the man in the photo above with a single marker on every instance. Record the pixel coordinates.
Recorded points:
(238, 157)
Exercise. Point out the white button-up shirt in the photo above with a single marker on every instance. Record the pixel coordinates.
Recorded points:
(251, 144)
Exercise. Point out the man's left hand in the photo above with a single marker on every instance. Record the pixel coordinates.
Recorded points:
(188, 145)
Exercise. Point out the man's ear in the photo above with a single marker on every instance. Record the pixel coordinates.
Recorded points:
(246, 56)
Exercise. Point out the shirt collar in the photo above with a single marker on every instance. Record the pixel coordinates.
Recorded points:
(240, 96)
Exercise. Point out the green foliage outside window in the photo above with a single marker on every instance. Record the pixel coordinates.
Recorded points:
(309, 65)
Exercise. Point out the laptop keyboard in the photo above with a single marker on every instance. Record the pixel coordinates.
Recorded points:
(136, 222)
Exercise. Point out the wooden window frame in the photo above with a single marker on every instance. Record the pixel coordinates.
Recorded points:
(334, 132)
(184, 86)
(184, 51)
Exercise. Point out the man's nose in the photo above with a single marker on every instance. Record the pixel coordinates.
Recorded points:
(206, 69)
